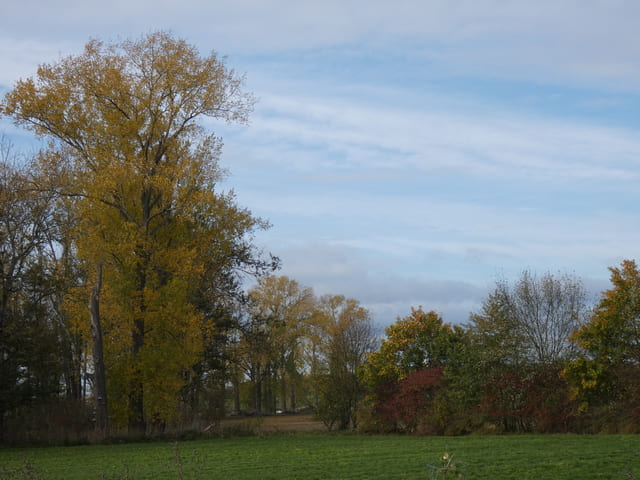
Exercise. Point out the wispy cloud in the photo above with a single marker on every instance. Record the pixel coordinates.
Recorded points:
(412, 206)
(583, 42)
(407, 152)
(366, 133)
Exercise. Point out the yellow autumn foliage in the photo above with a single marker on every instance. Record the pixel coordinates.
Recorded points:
(127, 145)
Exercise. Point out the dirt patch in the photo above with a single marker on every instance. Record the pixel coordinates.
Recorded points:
(277, 423)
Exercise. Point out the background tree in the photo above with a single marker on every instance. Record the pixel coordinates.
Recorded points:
(279, 311)
(289, 308)
(128, 145)
(315, 366)
(34, 344)
(350, 337)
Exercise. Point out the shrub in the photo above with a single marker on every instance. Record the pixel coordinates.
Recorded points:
(405, 404)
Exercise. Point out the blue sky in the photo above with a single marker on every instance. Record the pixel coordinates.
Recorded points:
(412, 152)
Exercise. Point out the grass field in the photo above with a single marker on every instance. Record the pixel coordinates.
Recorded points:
(311, 456)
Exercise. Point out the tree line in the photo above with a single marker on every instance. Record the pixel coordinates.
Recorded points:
(123, 264)
(537, 357)
(122, 298)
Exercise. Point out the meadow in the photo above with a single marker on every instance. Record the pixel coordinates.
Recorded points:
(312, 456)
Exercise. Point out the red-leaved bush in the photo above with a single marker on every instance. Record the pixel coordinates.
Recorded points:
(401, 405)
(537, 399)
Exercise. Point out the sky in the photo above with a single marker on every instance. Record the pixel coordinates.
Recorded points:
(407, 153)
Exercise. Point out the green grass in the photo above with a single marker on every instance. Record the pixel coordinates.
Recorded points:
(327, 456)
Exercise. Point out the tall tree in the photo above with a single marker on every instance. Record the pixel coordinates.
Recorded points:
(128, 144)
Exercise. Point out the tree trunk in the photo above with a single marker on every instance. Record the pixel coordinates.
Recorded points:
(236, 392)
(137, 421)
(292, 396)
(4, 354)
(283, 390)
(99, 384)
